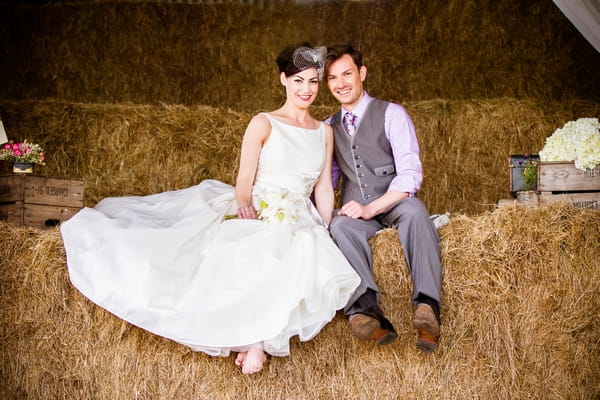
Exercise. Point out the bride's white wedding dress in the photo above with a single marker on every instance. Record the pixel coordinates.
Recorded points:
(172, 264)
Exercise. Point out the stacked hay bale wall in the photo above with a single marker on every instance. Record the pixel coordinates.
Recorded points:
(126, 149)
(481, 79)
(223, 54)
(520, 321)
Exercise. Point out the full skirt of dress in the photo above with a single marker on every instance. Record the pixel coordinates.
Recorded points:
(172, 264)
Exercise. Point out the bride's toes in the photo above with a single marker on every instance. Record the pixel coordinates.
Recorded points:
(254, 361)
(239, 360)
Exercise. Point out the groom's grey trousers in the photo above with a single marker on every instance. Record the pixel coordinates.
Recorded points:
(419, 239)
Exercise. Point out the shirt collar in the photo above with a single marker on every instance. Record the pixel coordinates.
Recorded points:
(361, 107)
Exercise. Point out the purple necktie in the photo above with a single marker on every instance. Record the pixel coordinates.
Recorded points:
(349, 123)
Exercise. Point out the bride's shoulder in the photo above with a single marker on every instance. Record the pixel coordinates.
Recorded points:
(261, 119)
(259, 127)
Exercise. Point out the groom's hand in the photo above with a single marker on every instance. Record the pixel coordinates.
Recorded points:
(380, 205)
(353, 209)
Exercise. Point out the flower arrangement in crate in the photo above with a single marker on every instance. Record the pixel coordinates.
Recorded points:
(577, 141)
(23, 155)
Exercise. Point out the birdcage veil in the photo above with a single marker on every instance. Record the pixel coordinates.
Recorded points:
(310, 57)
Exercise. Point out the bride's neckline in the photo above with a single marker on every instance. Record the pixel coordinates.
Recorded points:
(295, 126)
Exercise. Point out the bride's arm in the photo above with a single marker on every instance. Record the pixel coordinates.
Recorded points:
(324, 195)
(256, 134)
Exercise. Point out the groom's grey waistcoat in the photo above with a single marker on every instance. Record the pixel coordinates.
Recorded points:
(365, 158)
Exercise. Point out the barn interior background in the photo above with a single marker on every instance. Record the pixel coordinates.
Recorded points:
(139, 97)
(222, 53)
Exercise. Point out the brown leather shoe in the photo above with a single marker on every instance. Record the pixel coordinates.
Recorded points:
(428, 328)
(366, 327)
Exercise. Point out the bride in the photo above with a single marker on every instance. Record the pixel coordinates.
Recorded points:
(221, 268)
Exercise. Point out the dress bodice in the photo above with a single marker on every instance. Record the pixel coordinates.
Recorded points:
(292, 158)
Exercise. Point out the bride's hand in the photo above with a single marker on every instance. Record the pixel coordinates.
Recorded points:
(247, 212)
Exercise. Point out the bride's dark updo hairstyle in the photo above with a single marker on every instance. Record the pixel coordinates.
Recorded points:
(297, 58)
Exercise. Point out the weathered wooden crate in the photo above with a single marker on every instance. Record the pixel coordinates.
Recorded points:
(577, 199)
(38, 201)
(561, 182)
(12, 212)
(564, 177)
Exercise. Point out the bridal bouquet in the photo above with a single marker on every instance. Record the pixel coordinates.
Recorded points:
(577, 141)
(22, 152)
(278, 207)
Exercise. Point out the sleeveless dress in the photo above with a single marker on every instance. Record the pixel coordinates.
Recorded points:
(173, 263)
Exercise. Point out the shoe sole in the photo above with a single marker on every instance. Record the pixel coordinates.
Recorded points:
(385, 337)
(424, 319)
(425, 346)
(365, 327)
(428, 328)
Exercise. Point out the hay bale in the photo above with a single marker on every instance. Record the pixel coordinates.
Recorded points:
(126, 149)
(223, 54)
(518, 291)
(520, 320)
(130, 149)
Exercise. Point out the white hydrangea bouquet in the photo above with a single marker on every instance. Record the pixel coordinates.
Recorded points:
(279, 207)
(577, 141)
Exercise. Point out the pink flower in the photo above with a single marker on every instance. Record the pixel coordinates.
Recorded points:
(22, 151)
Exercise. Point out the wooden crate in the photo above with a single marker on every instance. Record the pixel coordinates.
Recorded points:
(39, 201)
(564, 177)
(41, 216)
(12, 212)
(534, 199)
(561, 182)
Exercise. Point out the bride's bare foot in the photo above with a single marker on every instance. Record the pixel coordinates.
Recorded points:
(239, 360)
(252, 361)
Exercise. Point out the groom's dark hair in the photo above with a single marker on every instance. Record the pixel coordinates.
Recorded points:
(337, 51)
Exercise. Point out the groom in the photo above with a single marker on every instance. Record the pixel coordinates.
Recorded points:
(377, 155)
